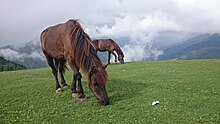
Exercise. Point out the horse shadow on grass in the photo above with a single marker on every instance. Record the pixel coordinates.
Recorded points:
(118, 90)
(121, 90)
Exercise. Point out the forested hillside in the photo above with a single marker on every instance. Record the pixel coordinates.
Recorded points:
(6, 65)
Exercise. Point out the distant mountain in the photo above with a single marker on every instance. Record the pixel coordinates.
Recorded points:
(203, 46)
(28, 54)
(166, 39)
(6, 65)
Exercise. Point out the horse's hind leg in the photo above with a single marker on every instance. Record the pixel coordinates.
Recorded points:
(62, 68)
(55, 70)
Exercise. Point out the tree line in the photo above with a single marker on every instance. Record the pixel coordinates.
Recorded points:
(6, 65)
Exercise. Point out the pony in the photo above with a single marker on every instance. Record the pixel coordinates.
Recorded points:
(67, 42)
(110, 46)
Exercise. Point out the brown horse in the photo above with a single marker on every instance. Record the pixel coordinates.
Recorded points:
(68, 42)
(110, 46)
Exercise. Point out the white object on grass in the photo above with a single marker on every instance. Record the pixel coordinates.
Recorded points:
(155, 102)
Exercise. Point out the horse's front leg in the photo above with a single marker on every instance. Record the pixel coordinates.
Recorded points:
(81, 94)
(73, 87)
(113, 53)
(77, 77)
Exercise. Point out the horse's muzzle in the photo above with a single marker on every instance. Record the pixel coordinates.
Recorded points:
(104, 102)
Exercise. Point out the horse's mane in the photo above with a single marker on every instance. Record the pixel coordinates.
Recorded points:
(117, 48)
(84, 52)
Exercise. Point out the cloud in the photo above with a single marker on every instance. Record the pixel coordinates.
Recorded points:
(141, 30)
(35, 55)
(134, 25)
(11, 54)
(21, 20)
(144, 24)
(14, 55)
(140, 20)
(198, 16)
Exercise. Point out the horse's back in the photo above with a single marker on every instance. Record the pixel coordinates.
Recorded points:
(106, 44)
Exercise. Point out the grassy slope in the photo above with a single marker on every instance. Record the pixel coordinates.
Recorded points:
(188, 92)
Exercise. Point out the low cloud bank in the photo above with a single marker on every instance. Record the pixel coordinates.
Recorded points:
(141, 30)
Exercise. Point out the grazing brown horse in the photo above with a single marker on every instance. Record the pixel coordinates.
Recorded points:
(68, 42)
(110, 46)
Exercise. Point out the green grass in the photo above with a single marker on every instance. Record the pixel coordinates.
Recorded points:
(188, 91)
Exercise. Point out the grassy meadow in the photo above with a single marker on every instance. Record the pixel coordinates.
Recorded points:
(188, 92)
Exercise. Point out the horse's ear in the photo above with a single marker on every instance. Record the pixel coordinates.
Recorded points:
(105, 66)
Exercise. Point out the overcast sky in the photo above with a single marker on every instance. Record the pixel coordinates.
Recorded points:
(23, 20)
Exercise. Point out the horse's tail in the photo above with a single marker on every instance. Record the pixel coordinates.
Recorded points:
(64, 68)
(61, 65)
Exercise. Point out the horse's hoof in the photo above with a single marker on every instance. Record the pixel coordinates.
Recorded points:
(74, 95)
(58, 90)
(82, 99)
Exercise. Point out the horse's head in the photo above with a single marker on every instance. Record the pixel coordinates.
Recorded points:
(121, 58)
(98, 78)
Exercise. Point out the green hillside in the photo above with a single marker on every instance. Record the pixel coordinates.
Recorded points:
(200, 47)
(6, 65)
(187, 91)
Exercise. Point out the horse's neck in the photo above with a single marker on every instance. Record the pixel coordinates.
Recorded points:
(118, 49)
(95, 44)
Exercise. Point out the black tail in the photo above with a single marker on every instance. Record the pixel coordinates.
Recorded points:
(61, 65)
